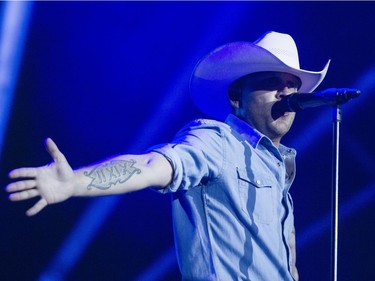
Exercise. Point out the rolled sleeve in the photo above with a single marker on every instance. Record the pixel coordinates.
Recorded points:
(171, 155)
(196, 155)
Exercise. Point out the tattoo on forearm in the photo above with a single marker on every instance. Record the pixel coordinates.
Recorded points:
(117, 171)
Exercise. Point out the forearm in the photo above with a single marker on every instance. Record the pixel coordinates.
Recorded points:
(122, 174)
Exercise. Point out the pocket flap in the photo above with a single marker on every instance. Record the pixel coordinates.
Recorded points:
(257, 179)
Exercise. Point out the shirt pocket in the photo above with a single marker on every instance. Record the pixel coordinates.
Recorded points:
(256, 196)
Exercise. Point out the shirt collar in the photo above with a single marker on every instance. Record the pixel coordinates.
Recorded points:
(254, 137)
(245, 130)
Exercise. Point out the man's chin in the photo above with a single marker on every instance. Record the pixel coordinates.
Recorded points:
(282, 125)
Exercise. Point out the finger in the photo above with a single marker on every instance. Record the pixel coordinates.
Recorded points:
(23, 173)
(20, 185)
(24, 195)
(37, 207)
(54, 151)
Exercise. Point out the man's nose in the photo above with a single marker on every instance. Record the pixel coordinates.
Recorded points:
(284, 91)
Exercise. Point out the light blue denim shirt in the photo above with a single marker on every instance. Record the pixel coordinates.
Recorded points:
(232, 211)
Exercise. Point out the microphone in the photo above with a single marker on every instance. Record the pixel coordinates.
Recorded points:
(299, 101)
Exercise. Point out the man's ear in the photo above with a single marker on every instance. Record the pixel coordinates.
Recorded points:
(235, 104)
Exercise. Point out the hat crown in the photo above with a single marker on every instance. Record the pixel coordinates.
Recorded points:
(280, 45)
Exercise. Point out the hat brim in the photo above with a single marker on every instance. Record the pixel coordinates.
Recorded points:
(214, 74)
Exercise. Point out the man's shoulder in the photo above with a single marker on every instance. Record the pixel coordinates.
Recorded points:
(206, 125)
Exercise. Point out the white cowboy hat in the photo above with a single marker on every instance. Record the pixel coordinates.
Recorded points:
(213, 74)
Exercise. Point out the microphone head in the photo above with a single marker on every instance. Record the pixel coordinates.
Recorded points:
(286, 104)
(277, 110)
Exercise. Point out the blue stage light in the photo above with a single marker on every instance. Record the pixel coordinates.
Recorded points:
(15, 20)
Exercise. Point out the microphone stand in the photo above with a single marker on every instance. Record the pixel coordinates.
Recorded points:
(334, 97)
(335, 190)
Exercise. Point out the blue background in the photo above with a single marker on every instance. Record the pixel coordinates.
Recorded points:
(105, 78)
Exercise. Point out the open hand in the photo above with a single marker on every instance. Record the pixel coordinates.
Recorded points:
(53, 182)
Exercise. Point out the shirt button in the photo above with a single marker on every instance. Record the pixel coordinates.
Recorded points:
(258, 182)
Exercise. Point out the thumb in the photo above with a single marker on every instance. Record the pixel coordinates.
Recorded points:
(54, 151)
(37, 207)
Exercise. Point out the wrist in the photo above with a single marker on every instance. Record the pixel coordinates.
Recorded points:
(79, 184)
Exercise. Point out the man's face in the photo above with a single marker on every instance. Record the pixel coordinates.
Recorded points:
(259, 93)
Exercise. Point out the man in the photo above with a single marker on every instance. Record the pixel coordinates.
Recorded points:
(232, 211)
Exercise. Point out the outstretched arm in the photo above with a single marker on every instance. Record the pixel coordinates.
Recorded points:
(57, 181)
